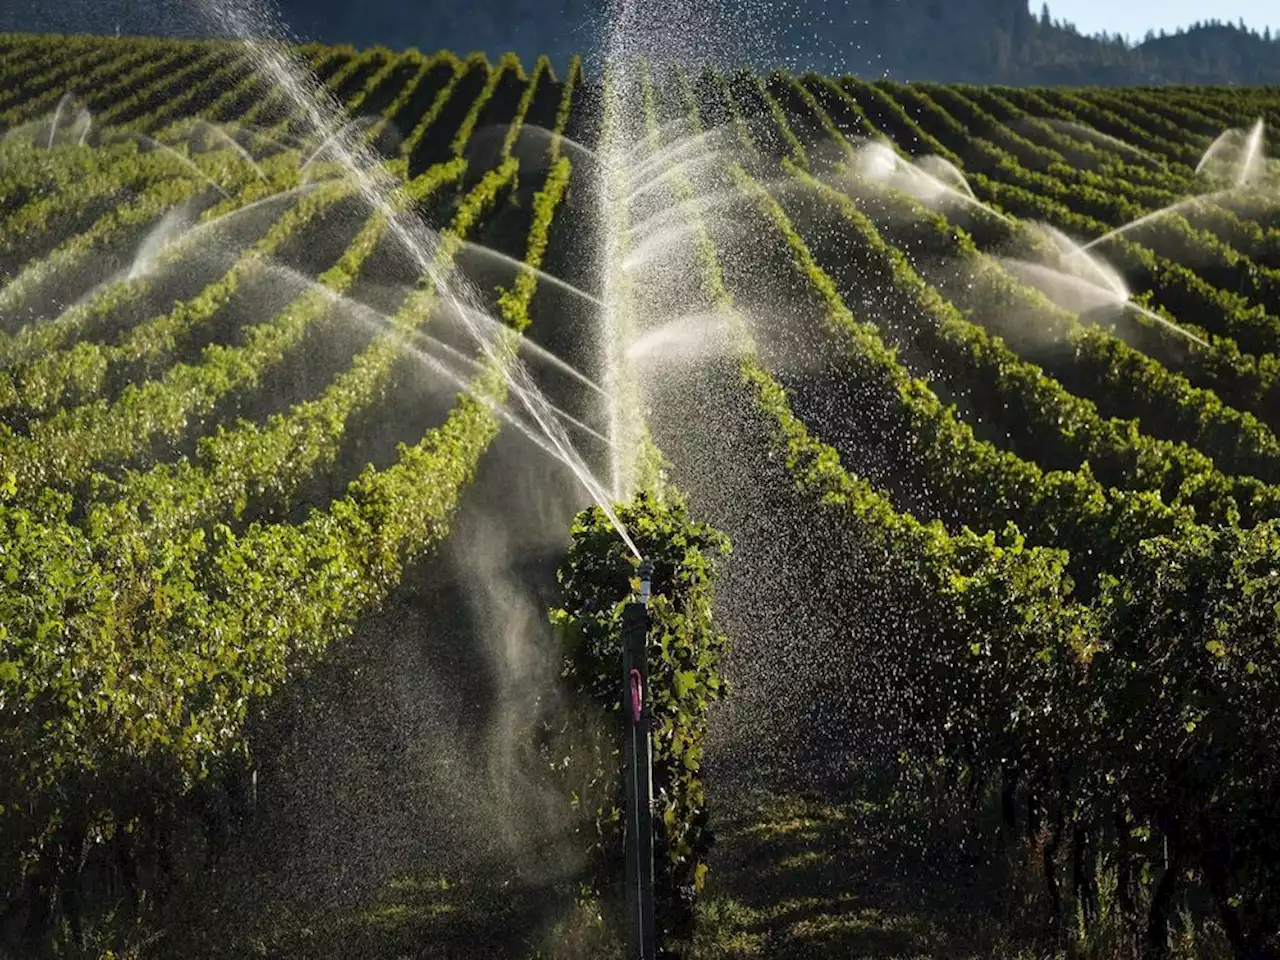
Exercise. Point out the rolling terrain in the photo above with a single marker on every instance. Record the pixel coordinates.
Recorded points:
(980, 383)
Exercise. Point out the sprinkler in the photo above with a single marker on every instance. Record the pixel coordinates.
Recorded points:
(638, 762)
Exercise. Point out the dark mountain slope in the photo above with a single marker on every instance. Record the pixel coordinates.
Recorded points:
(980, 41)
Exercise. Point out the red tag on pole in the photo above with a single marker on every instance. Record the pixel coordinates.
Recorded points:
(637, 694)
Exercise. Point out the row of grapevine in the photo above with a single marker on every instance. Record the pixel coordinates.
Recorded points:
(34, 340)
(241, 464)
(982, 486)
(48, 72)
(1201, 417)
(1056, 531)
(132, 743)
(1238, 376)
(77, 373)
(1005, 715)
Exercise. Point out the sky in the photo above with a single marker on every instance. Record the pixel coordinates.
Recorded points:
(1136, 17)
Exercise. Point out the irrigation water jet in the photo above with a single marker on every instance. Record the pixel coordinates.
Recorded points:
(535, 131)
(384, 194)
(418, 344)
(174, 223)
(683, 340)
(217, 131)
(694, 207)
(423, 342)
(1088, 266)
(484, 320)
(1252, 154)
(483, 252)
(1068, 290)
(945, 172)
(1080, 295)
(662, 137)
(166, 236)
(1096, 135)
(929, 179)
(659, 180)
(56, 122)
(333, 138)
(184, 160)
(1235, 155)
(673, 152)
(57, 115)
(1165, 211)
(658, 243)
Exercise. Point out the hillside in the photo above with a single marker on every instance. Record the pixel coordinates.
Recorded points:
(975, 41)
(342, 396)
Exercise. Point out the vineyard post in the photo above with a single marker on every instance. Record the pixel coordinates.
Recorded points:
(638, 760)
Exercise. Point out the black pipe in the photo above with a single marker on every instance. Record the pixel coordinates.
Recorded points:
(638, 764)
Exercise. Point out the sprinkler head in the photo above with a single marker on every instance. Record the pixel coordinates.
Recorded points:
(646, 574)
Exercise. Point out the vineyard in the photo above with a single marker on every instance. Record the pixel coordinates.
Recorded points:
(300, 403)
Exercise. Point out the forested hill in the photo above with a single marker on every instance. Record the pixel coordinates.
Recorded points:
(980, 41)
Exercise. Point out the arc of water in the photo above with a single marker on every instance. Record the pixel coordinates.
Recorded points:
(1252, 150)
(1154, 215)
(1250, 155)
(702, 329)
(943, 170)
(656, 181)
(475, 366)
(1104, 294)
(186, 161)
(1101, 272)
(893, 164)
(693, 206)
(176, 247)
(234, 145)
(658, 242)
(1097, 293)
(417, 342)
(480, 249)
(540, 410)
(496, 326)
(1211, 151)
(669, 153)
(1095, 134)
(551, 136)
(332, 138)
(962, 196)
(380, 190)
(1168, 324)
(57, 116)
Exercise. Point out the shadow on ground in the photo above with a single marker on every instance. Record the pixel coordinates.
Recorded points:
(801, 876)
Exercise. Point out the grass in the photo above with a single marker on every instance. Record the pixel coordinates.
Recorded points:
(806, 876)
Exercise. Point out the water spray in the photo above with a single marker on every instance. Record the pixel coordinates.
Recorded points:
(638, 761)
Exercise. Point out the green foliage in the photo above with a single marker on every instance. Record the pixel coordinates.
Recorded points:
(1004, 674)
(597, 579)
(1184, 690)
(140, 626)
(139, 629)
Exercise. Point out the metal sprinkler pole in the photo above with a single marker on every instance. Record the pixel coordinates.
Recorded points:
(638, 761)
